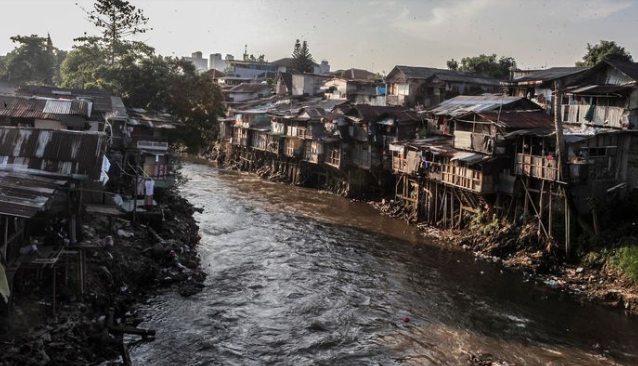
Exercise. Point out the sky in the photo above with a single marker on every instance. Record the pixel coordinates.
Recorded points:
(369, 34)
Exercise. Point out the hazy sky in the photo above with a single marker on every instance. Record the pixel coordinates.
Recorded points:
(370, 34)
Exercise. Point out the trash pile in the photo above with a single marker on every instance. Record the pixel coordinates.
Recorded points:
(128, 263)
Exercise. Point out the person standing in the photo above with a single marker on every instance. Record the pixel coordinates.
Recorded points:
(149, 186)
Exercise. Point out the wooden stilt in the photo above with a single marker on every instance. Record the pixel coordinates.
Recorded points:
(53, 302)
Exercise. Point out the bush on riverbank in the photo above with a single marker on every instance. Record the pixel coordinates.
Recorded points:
(626, 259)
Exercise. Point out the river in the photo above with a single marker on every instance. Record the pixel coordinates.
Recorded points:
(302, 277)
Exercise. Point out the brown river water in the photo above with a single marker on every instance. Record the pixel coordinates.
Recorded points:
(302, 277)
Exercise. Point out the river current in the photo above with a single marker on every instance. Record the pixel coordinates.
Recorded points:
(302, 277)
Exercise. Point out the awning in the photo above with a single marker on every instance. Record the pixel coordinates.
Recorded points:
(570, 139)
(469, 158)
(601, 89)
(24, 195)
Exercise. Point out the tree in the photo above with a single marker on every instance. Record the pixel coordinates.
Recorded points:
(603, 50)
(302, 60)
(143, 79)
(488, 65)
(198, 101)
(117, 20)
(78, 69)
(452, 64)
(34, 60)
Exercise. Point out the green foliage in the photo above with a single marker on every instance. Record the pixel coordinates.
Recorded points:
(198, 101)
(3, 64)
(35, 61)
(452, 64)
(483, 223)
(490, 65)
(603, 50)
(302, 61)
(144, 80)
(79, 67)
(626, 259)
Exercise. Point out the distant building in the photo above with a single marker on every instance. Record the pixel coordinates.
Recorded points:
(201, 64)
(215, 62)
(285, 65)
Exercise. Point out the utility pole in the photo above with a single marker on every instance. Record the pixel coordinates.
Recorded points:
(561, 160)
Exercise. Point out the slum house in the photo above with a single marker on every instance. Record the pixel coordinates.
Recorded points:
(599, 117)
(245, 92)
(104, 108)
(440, 116)
(538, 85)
(462, 168)
(55, 108)
(44, 113)
(146, 138)
(411, 86)
(606, 95)
(307, 84)
(42, 175)
(355, 90)
(283, 83)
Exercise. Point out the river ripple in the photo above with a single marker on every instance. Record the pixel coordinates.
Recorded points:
(301, 277)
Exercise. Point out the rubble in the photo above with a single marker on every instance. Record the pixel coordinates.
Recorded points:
(122, 271)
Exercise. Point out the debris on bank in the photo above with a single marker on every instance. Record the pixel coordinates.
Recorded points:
(127, 263)
(520, 247)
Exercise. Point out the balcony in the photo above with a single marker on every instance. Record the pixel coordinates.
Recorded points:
(602, 116)
(536, 167)
(466, 178)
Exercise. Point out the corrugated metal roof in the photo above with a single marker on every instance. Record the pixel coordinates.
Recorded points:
(54, 151)
(465, 104)
(71, 113)
(549, 74)
(102, 103)
(24, 195)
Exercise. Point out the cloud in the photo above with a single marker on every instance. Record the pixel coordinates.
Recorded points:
(592, 9)
(449, 14)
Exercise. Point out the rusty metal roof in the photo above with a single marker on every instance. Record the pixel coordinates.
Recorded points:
(520, 120)
(103, 104)
(72, 113)
(60, 152)
(24, 195)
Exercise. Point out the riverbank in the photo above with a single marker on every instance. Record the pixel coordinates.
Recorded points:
(142, 259)
(593, 277)
(589, 276)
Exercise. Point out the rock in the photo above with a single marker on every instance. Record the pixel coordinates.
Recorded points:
(108, 241)
(579, 270)
(124, 234)
(158, 251)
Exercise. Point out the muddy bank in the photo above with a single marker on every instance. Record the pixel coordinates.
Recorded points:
(521, 246)
(158, 253)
